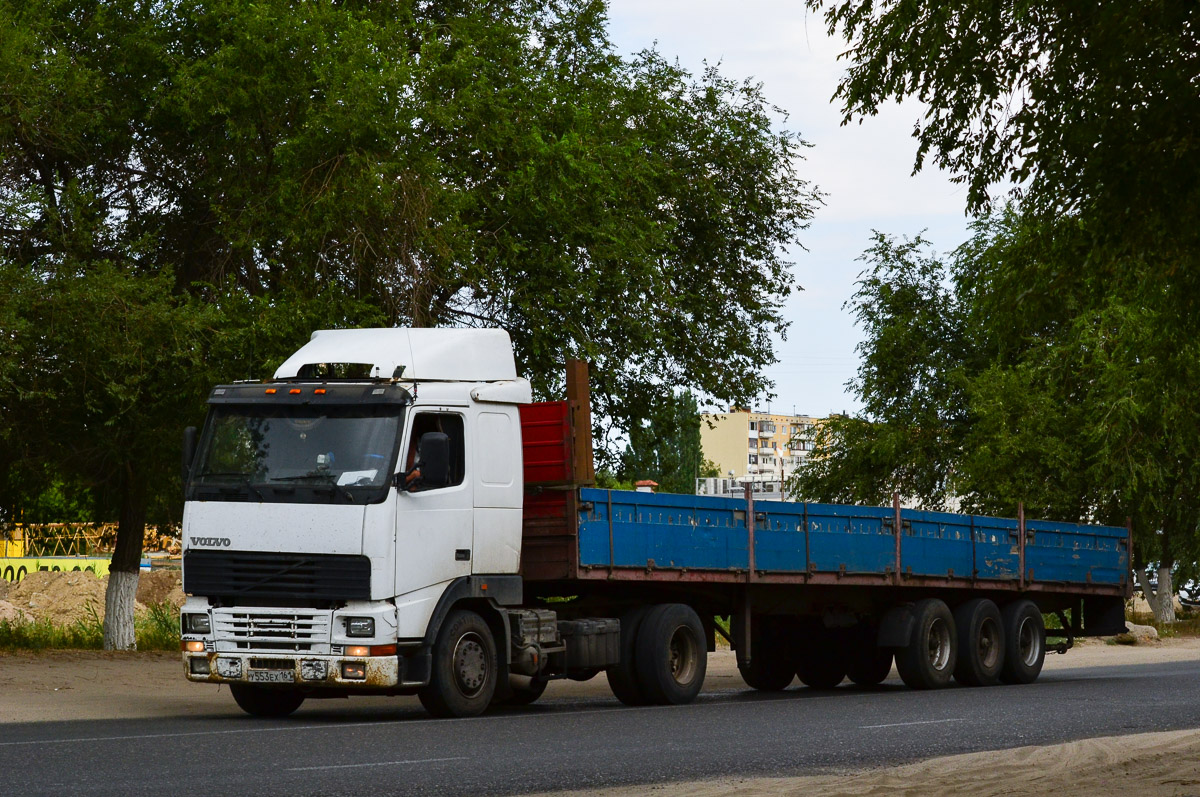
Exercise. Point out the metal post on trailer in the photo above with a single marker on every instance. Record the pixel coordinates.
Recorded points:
(1021, 545)
(896, 527)
(746, 652)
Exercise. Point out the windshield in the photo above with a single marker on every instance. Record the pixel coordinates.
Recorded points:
(297, 453)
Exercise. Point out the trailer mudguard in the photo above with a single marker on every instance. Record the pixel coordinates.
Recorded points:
(896, 627)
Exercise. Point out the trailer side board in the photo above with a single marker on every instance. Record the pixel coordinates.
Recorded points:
(623, 530)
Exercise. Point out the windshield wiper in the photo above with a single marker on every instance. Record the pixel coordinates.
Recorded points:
(245, 480)
(329, 478)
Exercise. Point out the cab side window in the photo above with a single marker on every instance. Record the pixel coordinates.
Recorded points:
(451, 425)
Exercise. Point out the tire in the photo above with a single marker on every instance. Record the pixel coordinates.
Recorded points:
(464, 673)
(623, 676)
(869, 664)
(980, 643)
(821, 657)
(262, 701)
(671, 656)
(525, 690)
(772, 665)
(1025, 637)
(929, 658)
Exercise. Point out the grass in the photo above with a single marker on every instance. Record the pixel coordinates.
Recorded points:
(157, 629)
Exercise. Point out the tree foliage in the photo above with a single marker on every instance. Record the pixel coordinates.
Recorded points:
(665, 448)
(1076, 315)
(187, 189)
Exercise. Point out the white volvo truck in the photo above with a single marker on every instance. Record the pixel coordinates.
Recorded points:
(390, 514)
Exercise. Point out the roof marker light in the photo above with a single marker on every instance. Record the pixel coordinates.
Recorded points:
(294, 391)
(320, 391)
(270, 391)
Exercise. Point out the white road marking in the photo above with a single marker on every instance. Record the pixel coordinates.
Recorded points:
(903, 724)
(378, 764)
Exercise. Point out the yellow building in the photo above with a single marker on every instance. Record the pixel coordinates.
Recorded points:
(758, 447)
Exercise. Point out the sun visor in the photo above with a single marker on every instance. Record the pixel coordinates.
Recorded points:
(436, 355)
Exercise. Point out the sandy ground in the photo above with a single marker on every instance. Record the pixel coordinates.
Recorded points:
(82, 685)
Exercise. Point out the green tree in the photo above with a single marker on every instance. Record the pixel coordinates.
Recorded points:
(666, 447)
(210, 181)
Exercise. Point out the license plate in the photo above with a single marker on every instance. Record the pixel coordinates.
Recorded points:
(272, 676)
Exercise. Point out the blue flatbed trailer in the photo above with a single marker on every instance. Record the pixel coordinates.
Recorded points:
(807, 582)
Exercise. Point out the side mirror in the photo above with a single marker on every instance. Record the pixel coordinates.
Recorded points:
(433, 458)
(189, 454)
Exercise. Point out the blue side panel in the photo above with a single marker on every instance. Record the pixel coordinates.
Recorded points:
(630, 529)
(936, 544)
(667, 530)
(1071, 553)
(853, 537)
(997, 552)
(778, 536)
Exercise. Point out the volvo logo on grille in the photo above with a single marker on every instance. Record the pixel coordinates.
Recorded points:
(210, 542)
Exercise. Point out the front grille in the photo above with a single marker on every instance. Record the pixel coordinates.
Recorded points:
(267, 629)
(244, 576)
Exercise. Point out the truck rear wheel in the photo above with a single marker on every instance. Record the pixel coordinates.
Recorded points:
(980, 643)
(772, 666)
(464, 668)
(262, 701)
(623, 676)
(671, 656)
(821, 657)
(1025, 638)
(929, 658)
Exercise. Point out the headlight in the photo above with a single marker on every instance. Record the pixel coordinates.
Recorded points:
(197, 624)
(360, 626)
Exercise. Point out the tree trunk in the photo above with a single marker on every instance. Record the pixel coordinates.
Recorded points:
(1162, 600)
(126, 565)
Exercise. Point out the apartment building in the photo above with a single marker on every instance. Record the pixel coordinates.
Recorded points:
(758, 447)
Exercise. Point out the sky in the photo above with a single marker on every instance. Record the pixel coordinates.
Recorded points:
(864, 170)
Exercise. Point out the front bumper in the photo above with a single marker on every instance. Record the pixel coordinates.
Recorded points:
(310, 671)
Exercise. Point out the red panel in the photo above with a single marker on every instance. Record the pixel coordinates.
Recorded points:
(546, 439)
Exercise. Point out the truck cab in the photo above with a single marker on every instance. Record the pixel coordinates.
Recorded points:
(330, 510)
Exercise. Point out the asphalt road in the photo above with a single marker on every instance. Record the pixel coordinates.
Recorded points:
(372, 746)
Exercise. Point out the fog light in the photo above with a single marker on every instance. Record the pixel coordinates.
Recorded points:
(312, 670)
(360, 626)
(229, 668)
(354, 671)
(198, 665)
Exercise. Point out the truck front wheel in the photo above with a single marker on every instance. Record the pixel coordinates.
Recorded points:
(671, 655)
(928, 660)
(464, 668)
(262, 701)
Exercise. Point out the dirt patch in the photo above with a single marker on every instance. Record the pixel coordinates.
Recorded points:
(67, 597)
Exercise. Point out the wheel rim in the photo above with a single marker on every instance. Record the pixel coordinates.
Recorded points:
(683, 656)
(1029, 643)
(470, 664)
(989, 644)
(939, 645)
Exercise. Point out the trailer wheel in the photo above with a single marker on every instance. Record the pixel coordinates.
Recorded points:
(623, 676)
(821, 657)
(929, 658)
(464, 668)
(1025, 635)
(261, 701)
(671, 655)
(869, 664)
(980, 643)
(772, 665)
